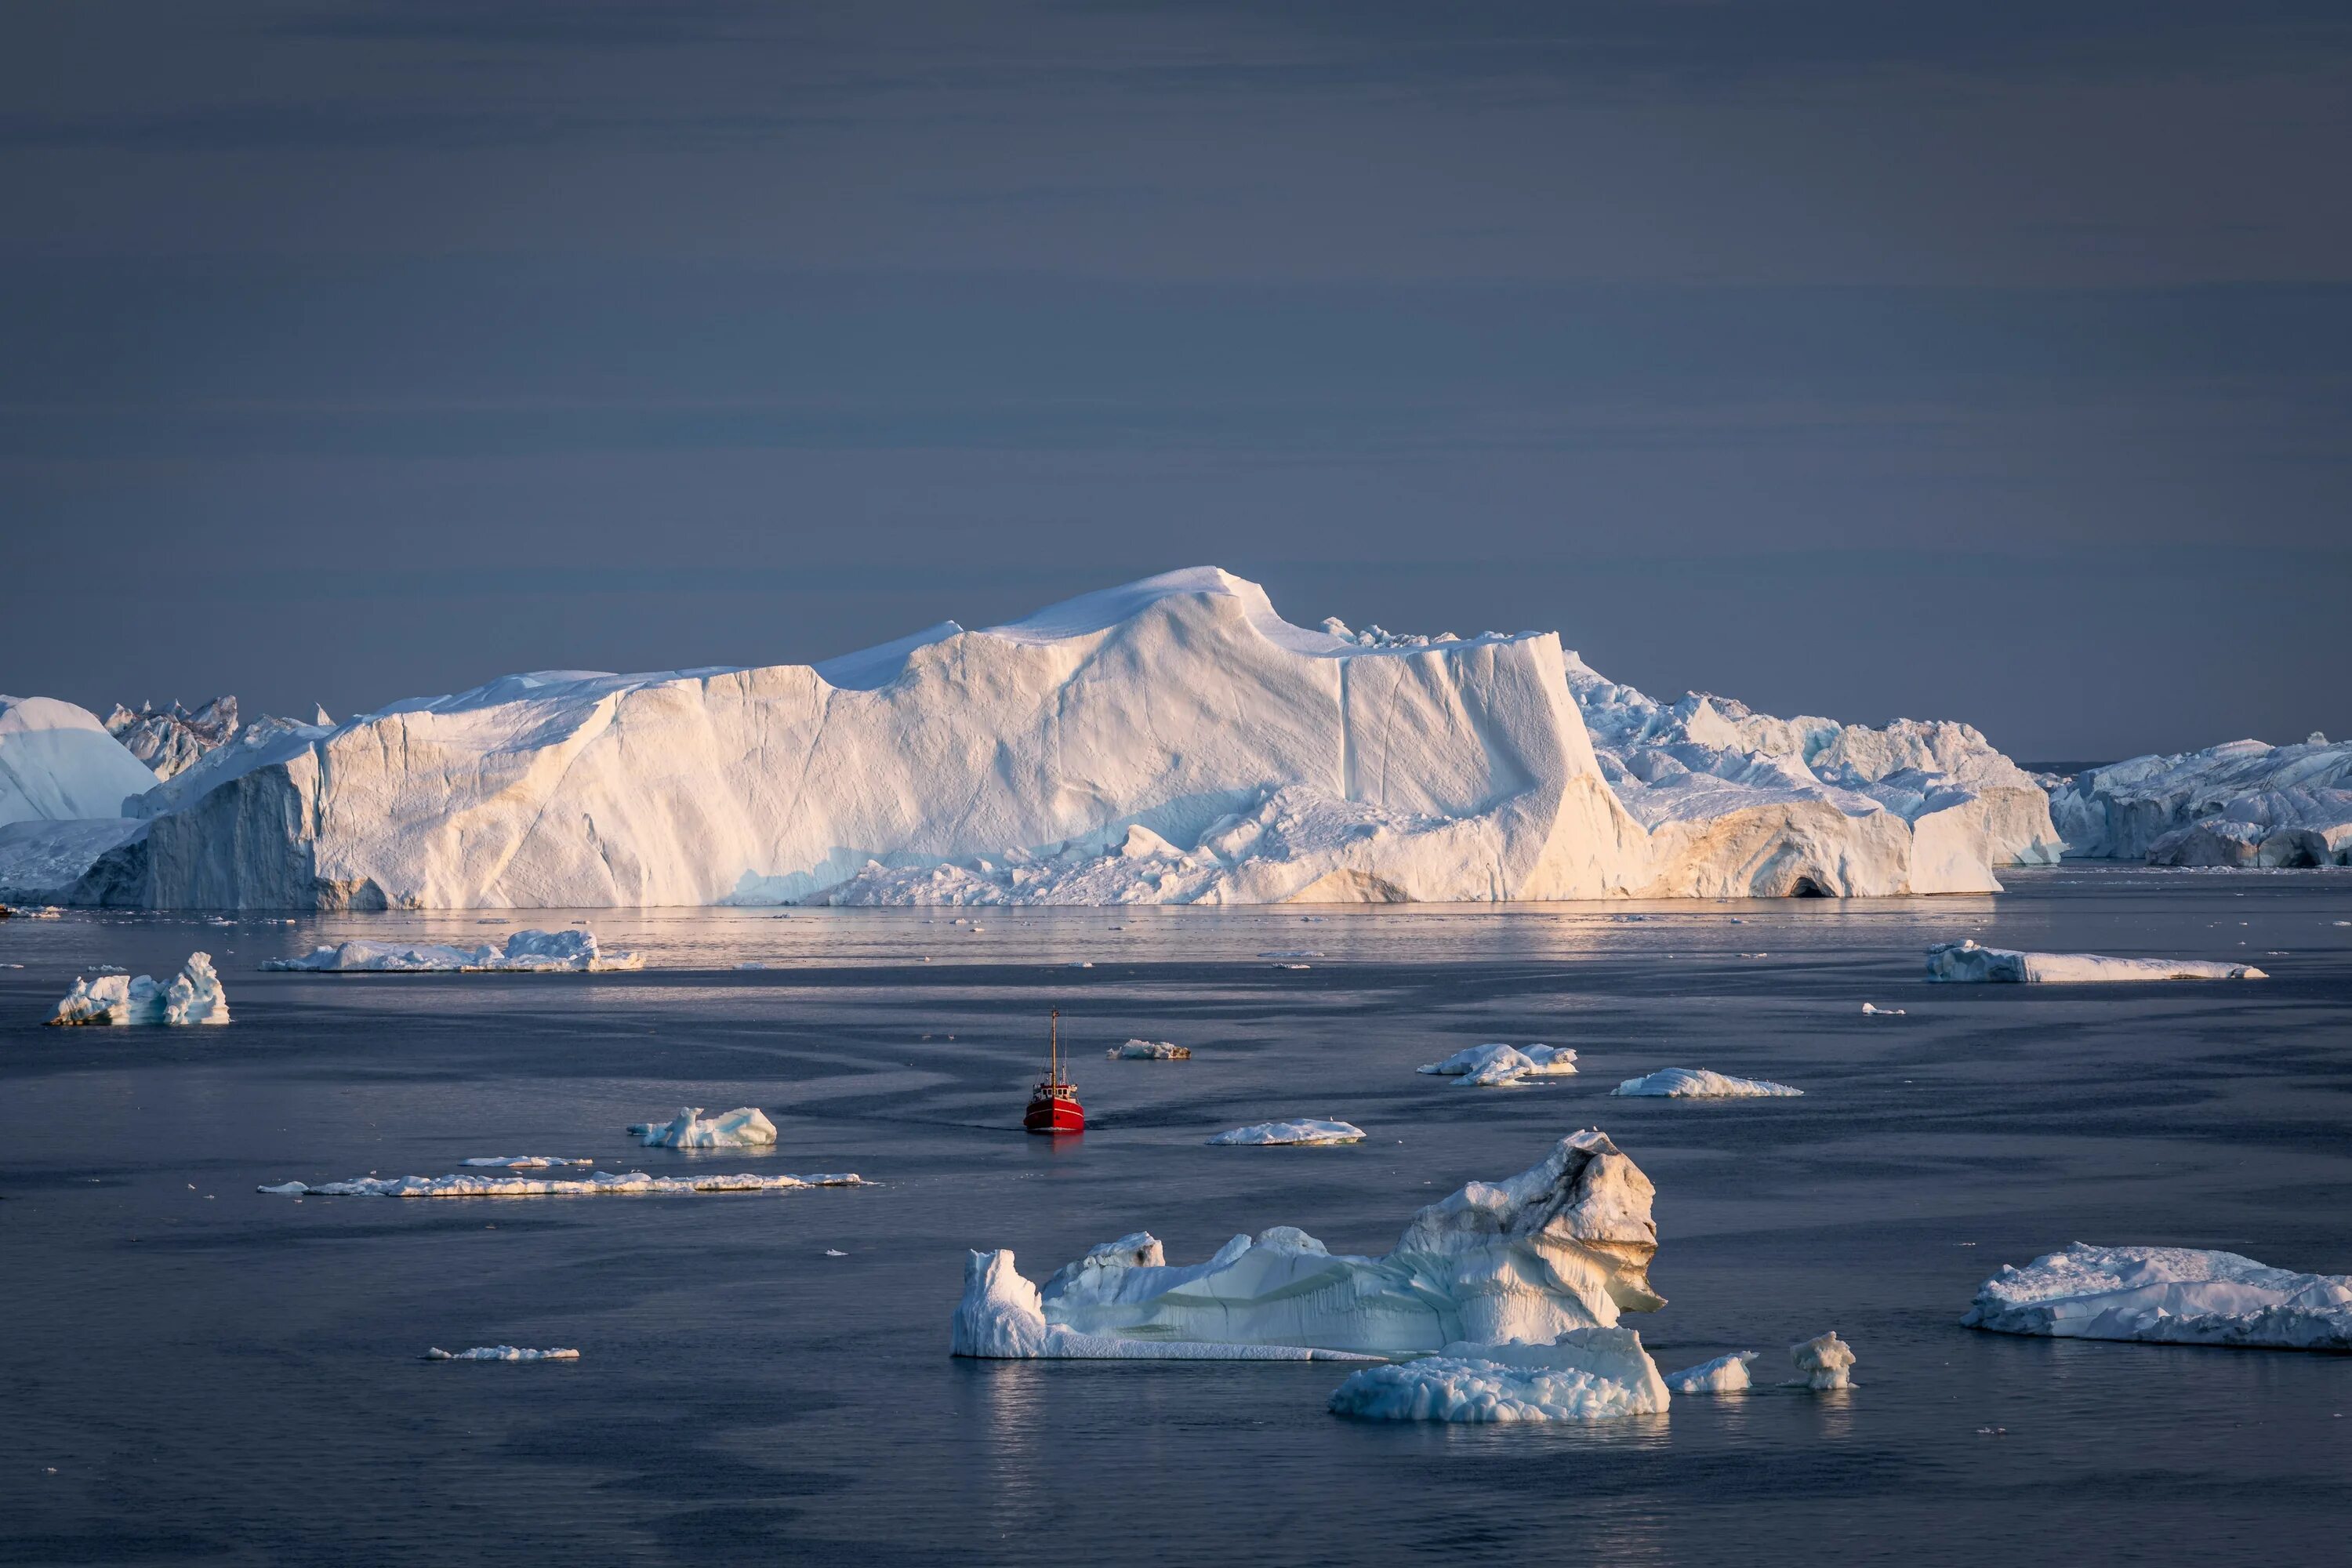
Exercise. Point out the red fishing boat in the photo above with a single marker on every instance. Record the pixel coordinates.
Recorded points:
(1054, 1107)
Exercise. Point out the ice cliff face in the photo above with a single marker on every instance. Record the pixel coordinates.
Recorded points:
(2243, 803)
(58, 763)
(172, 740)
(1173, 741)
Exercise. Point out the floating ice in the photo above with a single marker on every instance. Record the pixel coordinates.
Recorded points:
(501, 1352)
(1563, 1245)
(536, 951)
(1504, 1065)
(597, 1185)
(1967, 961)
(1307, 1131)
(1587, 1374)
(2243, 803)
(520, 1161)
(1150, 1051)
(2167, 1295)
(745, 1127)
(1870, 1012)
(1001, 1318)
(1724, 1374)
(1826, 1362)
(1698, 1083)
(193, 997)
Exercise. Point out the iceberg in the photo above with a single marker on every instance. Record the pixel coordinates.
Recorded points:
(2243, 803)
(174, 740)
(1149, 1051)
(1586, 1374)
(1965, 960)
(1824, 1364)
(1724, 1374)
(194, 996)
(1698, 1083)
(1502, 1066)
(501, 1352)
(58, 763)
(531, 951)
(746, 1126)
(1563, 1245)
(600, 1184)
(1306, 1132)
(2167, 1295)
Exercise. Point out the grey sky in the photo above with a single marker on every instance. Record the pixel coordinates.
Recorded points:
(1843, 357)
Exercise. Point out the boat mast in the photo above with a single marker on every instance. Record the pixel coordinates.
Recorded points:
(1054, 1048)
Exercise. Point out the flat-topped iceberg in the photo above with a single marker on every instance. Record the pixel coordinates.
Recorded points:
(1502, 1066)
(2167, 1295)
(194, 996)
(524, 951)
(745, 1127)
(1724, 1374)
(1306, 1132)
(1586, 1374)
(1965, 960)
(2243, 803)
(600, 1184)
(1699, 1083)
(1563, 1245)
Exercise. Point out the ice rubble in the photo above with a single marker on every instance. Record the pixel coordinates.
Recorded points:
(1967, 961)
(1304, 1131)
(2243, 803)
(534, 951)
(58, 763)
(195, 996)
(1563, 1245)
(1724, 1374)
(1502, 1066)
(2167, 1295)
(172, 740)
(1587, 1374)
(1150, 1051)
(1699, 1083)
(745, 1127)
(1169, 740)
(1824, 1364)
(462, 1185)
(501, 1352)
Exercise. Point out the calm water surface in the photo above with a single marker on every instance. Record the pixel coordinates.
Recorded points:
(197, 1372)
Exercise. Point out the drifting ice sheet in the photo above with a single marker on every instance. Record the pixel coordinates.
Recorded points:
(1504, 1065)
(1967, 961)
(501, 1352)
(2167, 1295)
(745, 1127)
(603, 1182)
(532, 952)
(1587, 1374)
(1698, 1083)
(1308, 1132)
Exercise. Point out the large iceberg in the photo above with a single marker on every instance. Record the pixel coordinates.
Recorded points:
(2243, 803)
(170, 741)
(1965, 960)
(1171, 741)
(2167, 1295)
(526, 952)
(1563, 1245)
(194, 996)
(58, 763)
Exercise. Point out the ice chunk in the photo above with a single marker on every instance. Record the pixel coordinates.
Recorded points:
(1149, 1051)
(1826, 1362)
(501, 1352)
(1724, 1374)
(596, 1184)
(572, 951)
(193, 997)
(1001, 1318)
(1586, 1374)
(745, 1127)
(514, 1162)
(1502, 1065)
(1967, 961)
(1870, 1012)
(1307, 1131)
(1698, 1083)
(2167, 1295)
(1563, 1245)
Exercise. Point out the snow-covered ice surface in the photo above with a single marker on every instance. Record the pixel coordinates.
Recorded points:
(745, 1127)
(1587, 1374)
(2243, 803)
(1309, 1130)
(1699, 1083)
(194, 996)
(1724, 1374)
(1502, 1066)
(501, 1352)
(526, 952)
(1965, 960)
(600, 1184)
(2167, 1295)
(58, 763)
(1149, 1051)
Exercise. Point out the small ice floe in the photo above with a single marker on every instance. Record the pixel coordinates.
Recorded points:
(1870, 1012)
(1826, 1362)
(1082, 963)
(534, 951)
(2167, 1295)
(835, 1252)
(1149, 1051)
(745, 1127)
(1586, 1374)
(1294, 966)
(1504, 1065)
(1724, 1374)
(1291, 953)
(600, 1184)
(108, 969)
(501, 1352)
(753, 963)
(1307, 1131)
(193, 997)
(1967, 961)
(523, 1161)
(1698, 1083)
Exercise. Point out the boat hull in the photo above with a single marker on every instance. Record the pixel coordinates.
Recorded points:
(1050, 1115)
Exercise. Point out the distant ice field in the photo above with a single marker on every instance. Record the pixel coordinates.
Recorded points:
(200, 1373)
